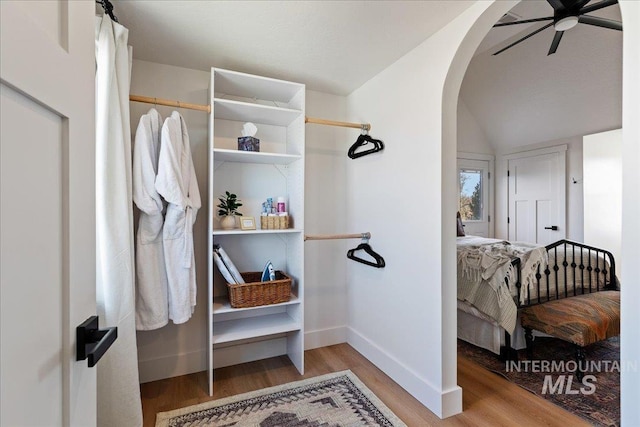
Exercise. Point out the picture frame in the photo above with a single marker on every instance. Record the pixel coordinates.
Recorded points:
(247, 223)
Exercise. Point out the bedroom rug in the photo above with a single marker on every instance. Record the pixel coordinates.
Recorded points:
(334, 400)
(596, 399)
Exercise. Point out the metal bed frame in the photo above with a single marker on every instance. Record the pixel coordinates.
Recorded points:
(562, 290)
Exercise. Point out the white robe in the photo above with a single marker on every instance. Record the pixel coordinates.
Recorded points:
(152, 306)
(176, 182)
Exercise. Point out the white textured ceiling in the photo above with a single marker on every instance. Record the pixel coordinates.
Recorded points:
(522, 96)
(331, 46)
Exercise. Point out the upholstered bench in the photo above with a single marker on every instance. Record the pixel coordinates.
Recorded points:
(581, 320)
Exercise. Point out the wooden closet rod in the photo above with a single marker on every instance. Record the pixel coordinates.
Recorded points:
(169, 103)
(207, 108)
(366, 235)
(365, 126)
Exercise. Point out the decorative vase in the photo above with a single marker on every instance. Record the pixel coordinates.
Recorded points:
(228, 222)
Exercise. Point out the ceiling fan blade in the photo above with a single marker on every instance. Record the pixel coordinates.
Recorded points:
(600, 5)
(600, 22)
(556, 4)
(555, 42)
(524, 38)
(524, 21)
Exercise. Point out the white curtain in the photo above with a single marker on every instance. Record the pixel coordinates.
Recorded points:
(118, 381)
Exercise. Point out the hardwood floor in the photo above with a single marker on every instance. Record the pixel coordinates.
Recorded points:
(488, 399)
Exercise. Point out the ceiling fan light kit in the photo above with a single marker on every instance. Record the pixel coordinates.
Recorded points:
(566, 15)
(565, 24)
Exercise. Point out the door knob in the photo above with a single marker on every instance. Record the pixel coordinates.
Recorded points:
(553, 227)
(91, 342)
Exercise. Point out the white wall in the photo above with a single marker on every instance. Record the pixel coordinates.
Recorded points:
(325, 263)
(630, 335)
(602, 162)
(471, 137)
(574, 200)
(402, 317)
(181, 349)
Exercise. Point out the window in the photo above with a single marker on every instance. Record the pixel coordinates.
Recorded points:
(471, 194)
(474, 194)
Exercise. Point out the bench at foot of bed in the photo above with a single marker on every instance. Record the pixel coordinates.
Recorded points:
(581, 320)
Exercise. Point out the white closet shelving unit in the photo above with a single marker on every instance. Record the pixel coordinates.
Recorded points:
(277, 108)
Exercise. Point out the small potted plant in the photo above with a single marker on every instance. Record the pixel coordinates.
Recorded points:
(228, 210)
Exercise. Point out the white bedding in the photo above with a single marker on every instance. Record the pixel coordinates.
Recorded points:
(480, 330)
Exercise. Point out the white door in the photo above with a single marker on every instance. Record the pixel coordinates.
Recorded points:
(537, 196)
(47, 216)
(473, 196)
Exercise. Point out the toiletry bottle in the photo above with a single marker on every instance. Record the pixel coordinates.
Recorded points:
(281, 205)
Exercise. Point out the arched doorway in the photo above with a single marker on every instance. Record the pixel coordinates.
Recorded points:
(630, 350)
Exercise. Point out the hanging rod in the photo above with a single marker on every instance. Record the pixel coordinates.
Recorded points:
(169, 103)
(366, 235)
(207, 108)
(364, 126)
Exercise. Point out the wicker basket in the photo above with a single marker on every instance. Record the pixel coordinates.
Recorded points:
(274, 222)
(253, 293)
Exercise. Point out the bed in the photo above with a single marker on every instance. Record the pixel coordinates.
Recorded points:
(496, 278)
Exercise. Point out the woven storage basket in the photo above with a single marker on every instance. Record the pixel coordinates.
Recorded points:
(253, 293)
(274, 222)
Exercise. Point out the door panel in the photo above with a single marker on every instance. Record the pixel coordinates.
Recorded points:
(537, 196)
(47, 213)
(544, 218)
(522, 227)
(28, 303)
(50, 16)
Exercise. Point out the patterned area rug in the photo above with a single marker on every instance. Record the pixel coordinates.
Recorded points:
(333, 400)
(596, 398)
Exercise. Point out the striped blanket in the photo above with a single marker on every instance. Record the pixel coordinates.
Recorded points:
(486, 277)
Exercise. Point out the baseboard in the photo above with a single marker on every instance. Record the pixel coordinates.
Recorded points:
(451, 402)
(441, 403)
(188, 363)
(325, 337)
(172, 366)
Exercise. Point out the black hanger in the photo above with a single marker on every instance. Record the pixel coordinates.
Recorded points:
(108, 9)
(363, 140)
(365, 247)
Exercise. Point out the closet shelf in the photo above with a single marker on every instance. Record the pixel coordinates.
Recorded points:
(221, 305)
(250, 86)
(245, 111)
(236, 232)
(251, 327)
(222, 154)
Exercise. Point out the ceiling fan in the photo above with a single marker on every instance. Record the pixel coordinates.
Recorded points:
(566, 15)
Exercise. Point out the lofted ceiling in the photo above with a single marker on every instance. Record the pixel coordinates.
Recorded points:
(331, 46)
(522, 96)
